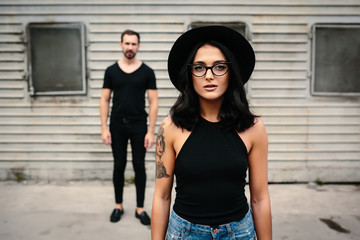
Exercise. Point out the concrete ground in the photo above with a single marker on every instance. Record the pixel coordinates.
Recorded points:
(81, 210)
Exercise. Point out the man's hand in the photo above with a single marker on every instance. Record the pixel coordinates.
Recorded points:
(149, 140)
(106, 137)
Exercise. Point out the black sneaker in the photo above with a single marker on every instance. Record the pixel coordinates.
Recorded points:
(116, 215)
(144, 218)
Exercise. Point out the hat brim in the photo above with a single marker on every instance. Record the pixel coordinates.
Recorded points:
(233, 40)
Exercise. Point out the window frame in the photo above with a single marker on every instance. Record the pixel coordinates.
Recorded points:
(83, 74)
(233, 25)
(313, 60)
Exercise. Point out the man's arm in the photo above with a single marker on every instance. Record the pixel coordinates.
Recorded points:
(104, 114)
(153, 110)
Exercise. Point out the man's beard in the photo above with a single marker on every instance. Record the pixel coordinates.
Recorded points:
(129, 54)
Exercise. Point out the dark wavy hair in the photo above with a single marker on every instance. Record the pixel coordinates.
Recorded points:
(234, 112)
(130, 32)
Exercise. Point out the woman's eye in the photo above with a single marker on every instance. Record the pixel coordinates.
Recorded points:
(220, 67)
(198, 68)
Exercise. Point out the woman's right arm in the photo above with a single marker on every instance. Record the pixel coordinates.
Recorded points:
(165, 161)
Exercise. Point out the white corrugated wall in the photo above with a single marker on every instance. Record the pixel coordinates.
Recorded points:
(58, 138)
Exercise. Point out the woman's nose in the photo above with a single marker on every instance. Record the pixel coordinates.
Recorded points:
(209, 74)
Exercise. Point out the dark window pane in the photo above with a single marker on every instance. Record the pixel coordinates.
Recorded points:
(337, 59)
(237, 26)
(56, 58)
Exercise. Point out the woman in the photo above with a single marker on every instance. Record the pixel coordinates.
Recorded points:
(209, 141)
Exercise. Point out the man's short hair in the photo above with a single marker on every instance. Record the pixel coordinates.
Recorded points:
(130, 32)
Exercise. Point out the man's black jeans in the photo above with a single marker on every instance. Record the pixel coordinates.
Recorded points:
(122, 130)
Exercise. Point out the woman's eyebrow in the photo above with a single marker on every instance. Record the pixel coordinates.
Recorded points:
(199, 62)
(220, 61)
(215, 62)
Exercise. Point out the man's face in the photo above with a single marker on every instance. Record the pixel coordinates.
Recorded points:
(130, 45)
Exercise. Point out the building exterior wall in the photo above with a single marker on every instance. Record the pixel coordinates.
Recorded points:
(58, 137)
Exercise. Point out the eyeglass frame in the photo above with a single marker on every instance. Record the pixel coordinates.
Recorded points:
(211, 68)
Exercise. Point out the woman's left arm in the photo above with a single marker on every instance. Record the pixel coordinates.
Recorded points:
(259, 193)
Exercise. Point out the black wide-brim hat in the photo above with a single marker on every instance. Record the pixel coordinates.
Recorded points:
(233, 40)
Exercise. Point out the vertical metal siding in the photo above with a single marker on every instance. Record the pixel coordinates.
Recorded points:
(59, 137)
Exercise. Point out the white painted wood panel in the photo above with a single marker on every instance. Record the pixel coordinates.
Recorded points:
(58, 138)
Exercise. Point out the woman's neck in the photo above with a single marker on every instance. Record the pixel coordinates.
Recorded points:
(210, 110)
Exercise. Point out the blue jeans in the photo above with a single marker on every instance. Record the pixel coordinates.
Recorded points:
(179, 228)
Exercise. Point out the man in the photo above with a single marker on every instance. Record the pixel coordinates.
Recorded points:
(129, 79)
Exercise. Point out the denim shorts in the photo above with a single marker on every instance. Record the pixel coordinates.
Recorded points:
(179, 228)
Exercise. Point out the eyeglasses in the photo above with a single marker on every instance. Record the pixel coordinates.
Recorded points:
(219, 69)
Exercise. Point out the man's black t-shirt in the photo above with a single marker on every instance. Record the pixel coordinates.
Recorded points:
(129, 90)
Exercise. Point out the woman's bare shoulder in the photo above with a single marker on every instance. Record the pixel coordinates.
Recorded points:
(258, 124)
(172, 135)
(258, 130)
(168, 127)
(167, 122)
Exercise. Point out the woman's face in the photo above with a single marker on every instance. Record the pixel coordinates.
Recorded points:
(210, 87)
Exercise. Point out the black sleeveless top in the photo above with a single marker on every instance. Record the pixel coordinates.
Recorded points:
(210, 172)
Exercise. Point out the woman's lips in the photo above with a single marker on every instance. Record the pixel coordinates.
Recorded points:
(210, 87)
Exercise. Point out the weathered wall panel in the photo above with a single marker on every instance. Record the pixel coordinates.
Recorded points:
(58, 137)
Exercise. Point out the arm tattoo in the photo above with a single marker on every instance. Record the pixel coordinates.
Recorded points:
(160, 148)
(161, 170)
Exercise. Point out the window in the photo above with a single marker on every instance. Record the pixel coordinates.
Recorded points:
(237, 26)
(56, 58)
(336, 60)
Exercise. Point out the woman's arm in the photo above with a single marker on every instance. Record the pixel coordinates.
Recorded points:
(165, 161)
(259, 193)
